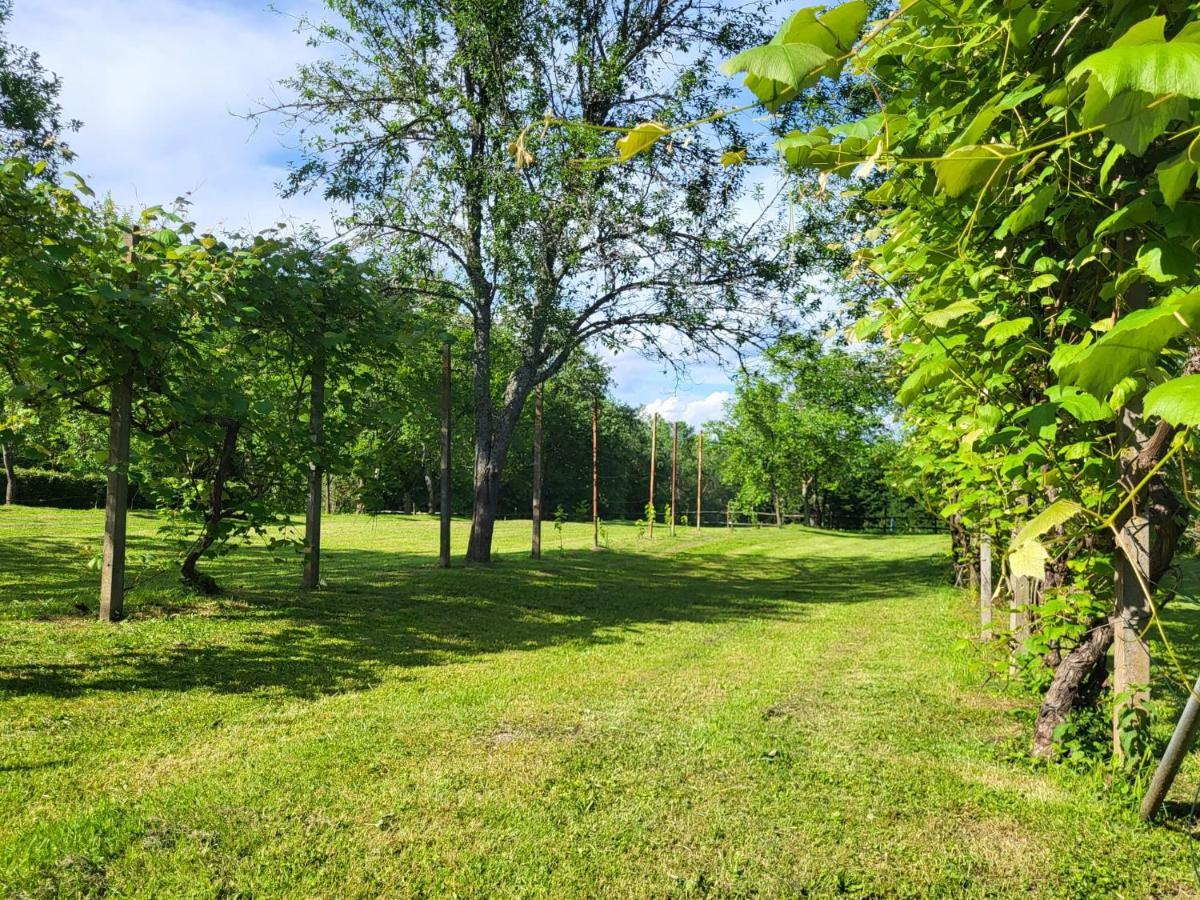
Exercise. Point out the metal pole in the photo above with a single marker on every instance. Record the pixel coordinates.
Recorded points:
(1172, 758)
(445, 511)
(699, 475)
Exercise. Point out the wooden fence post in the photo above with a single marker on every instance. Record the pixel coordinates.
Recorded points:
(595, 476)
(1018, 615)
(674, 474)
(445, 510)
(316, 474)
(650, 511)
(116, 497)
(116, 500)
(985, 587)
(1131, 652)
(536, 550)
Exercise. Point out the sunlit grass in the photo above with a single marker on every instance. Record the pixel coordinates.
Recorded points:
(730, 713)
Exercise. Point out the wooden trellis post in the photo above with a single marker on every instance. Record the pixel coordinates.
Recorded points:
(116, 497)
(653, 459)
(699, 475)
(985, 587)
(445, 511)
(536, 549)
(1018, 615)
(674, 474)
(595, 476)
(1131, 652)
(316, 474)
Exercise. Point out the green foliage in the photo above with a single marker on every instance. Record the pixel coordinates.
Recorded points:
(1032, 171)
(560, 519)
(62, 490)
(31, 118)
(1176, 401)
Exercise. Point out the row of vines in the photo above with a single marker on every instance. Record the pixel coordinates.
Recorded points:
(1029, 170)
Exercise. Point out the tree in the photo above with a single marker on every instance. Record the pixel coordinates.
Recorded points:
(432, 129)
(31, 120)
(800, 428)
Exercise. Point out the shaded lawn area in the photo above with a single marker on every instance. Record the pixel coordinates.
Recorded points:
(726, 714)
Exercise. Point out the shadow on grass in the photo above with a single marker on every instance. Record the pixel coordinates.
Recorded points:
(392, 610)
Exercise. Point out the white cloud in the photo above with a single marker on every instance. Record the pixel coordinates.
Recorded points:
(159, 87)
(693, 412)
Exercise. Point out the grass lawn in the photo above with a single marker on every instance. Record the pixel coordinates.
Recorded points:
(762, 712)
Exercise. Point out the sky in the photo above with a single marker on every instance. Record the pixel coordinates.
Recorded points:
(162, 88)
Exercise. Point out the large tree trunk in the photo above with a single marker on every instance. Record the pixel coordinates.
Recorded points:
(215, 514)
(778, 510)
(10, 475)
(493, 439)
(1082, 665)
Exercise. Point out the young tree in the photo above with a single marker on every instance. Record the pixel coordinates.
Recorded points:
(432, 129)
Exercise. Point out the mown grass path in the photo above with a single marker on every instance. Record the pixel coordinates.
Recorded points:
(727, 714)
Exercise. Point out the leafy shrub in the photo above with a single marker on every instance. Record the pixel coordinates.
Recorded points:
(65, 490)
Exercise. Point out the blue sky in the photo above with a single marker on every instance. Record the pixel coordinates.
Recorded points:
(159, 86)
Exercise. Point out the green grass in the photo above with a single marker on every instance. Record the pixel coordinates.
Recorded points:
(750, 713)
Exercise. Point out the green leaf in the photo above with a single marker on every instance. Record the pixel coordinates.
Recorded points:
(940, 318)
(1060, 512)
(1176, 401)
(1005, 331)
(1165, 261)
(965, 168)
(1110, 160)
(776, 73)
(1078, 403)
(1132, 345)
(733, 157)
(1029, 213)
(641, 138)
(1147, 31)
(1029, 560)
(166, 237)
(1153, 68)
(1132, 119)
(1174, 178)
(835, 32)
(1041, 282)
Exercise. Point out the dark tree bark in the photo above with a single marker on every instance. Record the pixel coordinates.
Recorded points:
(215, 513)
(1167, 517)
(10, 475)
(1067, 689)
